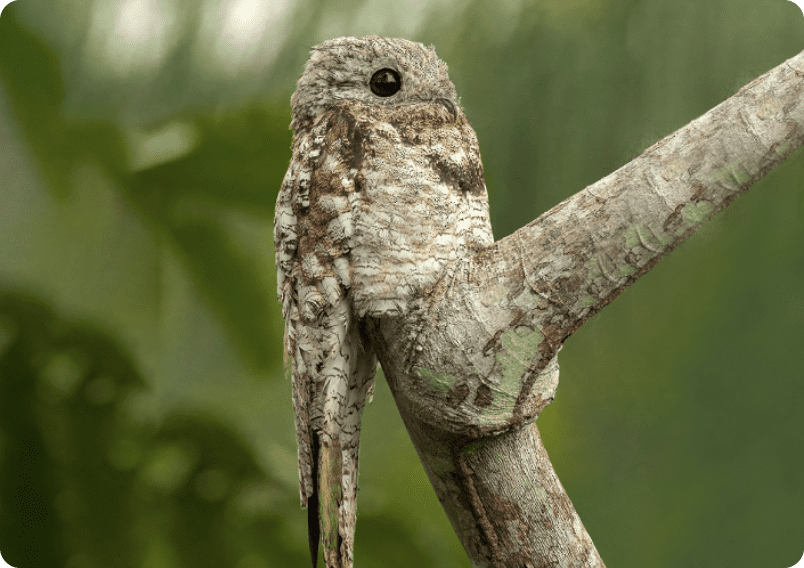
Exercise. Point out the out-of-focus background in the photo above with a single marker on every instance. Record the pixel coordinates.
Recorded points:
(145, 420)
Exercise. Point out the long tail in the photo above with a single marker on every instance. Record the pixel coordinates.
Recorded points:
(337, 461)
(344, 380)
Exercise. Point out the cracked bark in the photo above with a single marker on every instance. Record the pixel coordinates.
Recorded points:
(474, 363)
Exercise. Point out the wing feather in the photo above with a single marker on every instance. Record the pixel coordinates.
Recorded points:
(332, 371)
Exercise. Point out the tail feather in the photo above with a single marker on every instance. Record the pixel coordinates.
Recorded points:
(332, 498)
(333, 373)
(337, 496)
(313, 528)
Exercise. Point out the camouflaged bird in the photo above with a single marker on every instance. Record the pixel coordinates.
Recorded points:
(385, 188)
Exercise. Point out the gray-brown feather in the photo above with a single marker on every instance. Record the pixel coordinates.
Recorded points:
(381, 194)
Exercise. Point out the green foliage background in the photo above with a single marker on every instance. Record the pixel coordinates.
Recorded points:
(145, 420)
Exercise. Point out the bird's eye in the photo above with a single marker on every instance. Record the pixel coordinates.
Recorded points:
(385, 82)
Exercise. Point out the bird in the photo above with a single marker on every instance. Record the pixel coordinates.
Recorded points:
(384, 196)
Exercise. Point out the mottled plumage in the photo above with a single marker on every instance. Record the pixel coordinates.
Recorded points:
(385, 187)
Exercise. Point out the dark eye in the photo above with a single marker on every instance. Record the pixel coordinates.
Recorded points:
(385, 82)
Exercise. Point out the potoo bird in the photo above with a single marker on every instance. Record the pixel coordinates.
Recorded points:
(384, 194)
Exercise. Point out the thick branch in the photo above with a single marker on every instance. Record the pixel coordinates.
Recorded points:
(582, 253)
(475, 361)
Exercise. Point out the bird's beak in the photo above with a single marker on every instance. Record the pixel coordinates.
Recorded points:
(450, 105)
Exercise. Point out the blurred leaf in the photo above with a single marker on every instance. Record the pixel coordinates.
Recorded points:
(81, 485)
(59, 496)
(235, 164)
(30, 73)
(230, 285)
(205, 511)
(31, 77)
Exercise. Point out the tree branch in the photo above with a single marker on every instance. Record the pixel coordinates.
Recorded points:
(475, 362)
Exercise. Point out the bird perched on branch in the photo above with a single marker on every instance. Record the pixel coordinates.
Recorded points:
(385, 191)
